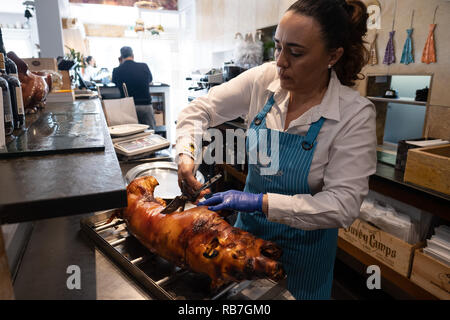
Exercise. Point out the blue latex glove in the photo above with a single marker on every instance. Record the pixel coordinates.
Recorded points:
(234, 200)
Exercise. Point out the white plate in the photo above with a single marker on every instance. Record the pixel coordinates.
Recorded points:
(126, 129)
(141, 145)
(167, 175)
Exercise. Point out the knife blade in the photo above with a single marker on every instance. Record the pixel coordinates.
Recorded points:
(180, 201)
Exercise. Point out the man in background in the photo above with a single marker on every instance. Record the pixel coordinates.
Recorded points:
(137, 77)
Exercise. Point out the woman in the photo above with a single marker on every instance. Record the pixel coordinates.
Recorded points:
(326, 145)
(91, 69)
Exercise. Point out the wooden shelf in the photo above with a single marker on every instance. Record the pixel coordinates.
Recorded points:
(240, 176)
(398, 100)
(387, 273)
(389, 182)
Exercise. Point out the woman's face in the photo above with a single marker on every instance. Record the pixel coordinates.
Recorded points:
(300, 52)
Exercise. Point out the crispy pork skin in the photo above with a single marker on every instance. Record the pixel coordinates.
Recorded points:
(198, 239)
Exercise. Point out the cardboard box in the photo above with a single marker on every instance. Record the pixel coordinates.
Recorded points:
(429, 167)
(402, 152)
(159, 119)
(39, 64)
(431, 274)
(67, 82)
(391, 251)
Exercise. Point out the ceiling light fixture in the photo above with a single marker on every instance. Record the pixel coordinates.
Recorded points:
(148, 5)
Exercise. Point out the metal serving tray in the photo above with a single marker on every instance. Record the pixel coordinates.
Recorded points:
(162, 279)
(163, 171)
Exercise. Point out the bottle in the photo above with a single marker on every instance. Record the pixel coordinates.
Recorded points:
(10, 66)
(14, 88)
(7, 111)
(15, 91)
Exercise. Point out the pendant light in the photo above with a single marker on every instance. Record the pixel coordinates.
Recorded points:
(148, 5)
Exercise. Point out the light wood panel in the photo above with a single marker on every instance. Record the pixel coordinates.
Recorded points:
(429, 167)
(104, 30)
(438, 122)
(438, 110)
(249, 15)
(267, 13)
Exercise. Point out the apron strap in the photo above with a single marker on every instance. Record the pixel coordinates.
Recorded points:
(262, 114)
(312, 134)
(313, 131)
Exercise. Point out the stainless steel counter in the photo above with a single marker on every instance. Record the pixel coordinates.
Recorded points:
(58, 243)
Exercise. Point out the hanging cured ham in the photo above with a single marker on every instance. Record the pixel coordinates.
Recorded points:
(198, 239)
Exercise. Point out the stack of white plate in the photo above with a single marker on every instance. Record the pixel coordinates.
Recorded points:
(438, 246)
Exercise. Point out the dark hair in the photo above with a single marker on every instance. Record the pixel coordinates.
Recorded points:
(126, 52)
(88, 59)
(343, 24)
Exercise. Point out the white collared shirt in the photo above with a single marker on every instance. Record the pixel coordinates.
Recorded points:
(344, 158)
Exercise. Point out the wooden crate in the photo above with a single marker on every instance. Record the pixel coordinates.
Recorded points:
(429, 167)
(66, 80)
(39, 64)
(431, 274)
(159, 119)
(391, 251)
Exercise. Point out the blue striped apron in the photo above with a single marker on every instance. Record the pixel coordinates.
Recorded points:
(308, 256)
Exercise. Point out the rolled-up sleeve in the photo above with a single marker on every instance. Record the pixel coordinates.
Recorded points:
(222, 103)
(352, 159)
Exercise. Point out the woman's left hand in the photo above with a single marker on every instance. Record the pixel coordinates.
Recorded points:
(234, 200)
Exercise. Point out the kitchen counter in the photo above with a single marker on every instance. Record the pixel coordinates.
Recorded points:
(54, 245)
(42, 272)
(54, 185)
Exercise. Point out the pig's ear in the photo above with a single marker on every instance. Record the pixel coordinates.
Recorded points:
(21, 65)
(49, 81)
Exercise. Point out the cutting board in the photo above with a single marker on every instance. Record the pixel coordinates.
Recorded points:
(58, 132)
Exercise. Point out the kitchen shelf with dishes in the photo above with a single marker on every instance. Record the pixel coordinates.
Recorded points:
(401, 100)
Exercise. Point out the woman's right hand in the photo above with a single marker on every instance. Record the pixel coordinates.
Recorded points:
(186, 178)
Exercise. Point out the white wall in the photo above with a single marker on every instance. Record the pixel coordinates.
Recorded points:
(50, 28)
(213, 25)
(21, 41)
(208, 29)
(9, 19)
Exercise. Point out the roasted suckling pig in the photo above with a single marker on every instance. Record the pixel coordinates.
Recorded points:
(35, 85)
(198, 239)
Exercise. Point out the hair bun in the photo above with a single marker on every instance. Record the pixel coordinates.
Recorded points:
(343, 24)
(346, 6)
(357, 12)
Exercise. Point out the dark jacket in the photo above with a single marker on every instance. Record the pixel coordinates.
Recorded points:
(137, 77)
